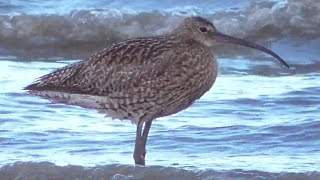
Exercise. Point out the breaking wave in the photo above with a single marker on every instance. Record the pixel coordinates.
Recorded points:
(46, 170)
(81, 32)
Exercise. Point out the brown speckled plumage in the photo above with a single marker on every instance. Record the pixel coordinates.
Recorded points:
(137, 79)
(141, 79)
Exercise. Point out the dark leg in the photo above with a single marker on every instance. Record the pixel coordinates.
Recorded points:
(140, 144)
(137, 154)
(145, 137)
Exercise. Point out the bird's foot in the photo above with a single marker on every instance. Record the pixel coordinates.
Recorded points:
(139, 159)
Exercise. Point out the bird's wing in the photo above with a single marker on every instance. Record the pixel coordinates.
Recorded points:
(55, 80)
(102, 79)
(117, 68)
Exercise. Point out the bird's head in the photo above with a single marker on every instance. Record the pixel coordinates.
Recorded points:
(206, 33)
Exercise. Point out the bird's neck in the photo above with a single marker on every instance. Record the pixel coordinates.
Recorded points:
(182, 38)
(181, 30)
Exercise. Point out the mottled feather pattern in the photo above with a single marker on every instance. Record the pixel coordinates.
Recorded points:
(138, 79)
(56, 79)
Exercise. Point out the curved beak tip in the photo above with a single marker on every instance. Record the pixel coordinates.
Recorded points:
(285, 64)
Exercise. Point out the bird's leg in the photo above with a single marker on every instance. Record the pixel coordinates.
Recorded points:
(137, 154)
(145, 137)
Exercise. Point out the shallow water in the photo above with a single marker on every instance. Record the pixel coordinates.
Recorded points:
(245, 122)
(258, 120)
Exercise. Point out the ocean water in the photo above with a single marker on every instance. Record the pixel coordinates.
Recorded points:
(259, 121)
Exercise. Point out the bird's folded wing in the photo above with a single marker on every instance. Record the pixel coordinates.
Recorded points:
(119, 77)
(104, 74)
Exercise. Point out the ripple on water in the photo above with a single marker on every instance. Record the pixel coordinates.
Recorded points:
(275, 121)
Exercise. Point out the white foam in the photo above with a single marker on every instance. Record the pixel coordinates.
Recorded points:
(82, 32)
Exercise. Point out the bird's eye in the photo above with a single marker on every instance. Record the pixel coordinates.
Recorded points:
(202, 29)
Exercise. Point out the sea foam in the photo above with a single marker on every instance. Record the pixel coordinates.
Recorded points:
(79, 33)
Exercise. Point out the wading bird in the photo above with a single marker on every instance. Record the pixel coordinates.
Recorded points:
(145, 78)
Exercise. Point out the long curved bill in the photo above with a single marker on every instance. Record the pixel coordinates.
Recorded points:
(222, 38)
